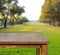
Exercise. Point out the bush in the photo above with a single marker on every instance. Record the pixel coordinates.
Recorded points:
(22, 20)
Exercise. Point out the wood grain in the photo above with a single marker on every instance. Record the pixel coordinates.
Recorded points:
(38, 51)
(44, 50)
(25, 40)
(19, 46)
(22, 38)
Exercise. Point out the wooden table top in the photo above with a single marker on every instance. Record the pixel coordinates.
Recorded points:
(22, 38)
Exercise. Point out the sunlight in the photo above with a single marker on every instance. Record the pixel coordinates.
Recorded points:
(32, 8)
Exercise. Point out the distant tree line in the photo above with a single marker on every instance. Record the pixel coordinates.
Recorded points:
(10, 12)
(51, 12)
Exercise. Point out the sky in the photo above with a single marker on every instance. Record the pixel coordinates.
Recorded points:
(32, 8)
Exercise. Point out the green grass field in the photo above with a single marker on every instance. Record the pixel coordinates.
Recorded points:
(52, 33)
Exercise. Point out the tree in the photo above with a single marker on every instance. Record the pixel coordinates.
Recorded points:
(4, 5)
(46, 8)
(17, 10)
(10, 7)
(50, 11)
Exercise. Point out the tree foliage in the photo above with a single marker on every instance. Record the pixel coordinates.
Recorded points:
(21, 19)
(10, 7)
(50, 11)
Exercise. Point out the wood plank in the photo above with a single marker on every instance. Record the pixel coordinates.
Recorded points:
(44, 50)
(22, 38)
(38, 51)
(19, 46)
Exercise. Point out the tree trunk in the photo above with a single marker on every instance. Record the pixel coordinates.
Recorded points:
(5, 22)
(53, 22)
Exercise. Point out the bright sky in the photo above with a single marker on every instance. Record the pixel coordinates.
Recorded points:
(32, 8)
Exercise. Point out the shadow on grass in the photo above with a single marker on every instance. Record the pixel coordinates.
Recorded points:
(1, 27)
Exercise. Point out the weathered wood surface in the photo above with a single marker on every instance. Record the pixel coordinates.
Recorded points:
(38, 51)
(25, 40)
(44, 50)
(20, 46)
(22, 38)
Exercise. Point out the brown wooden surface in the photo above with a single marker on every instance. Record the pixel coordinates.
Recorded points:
(38, 51)
(20, 46)
(44, 50)
(22, 38)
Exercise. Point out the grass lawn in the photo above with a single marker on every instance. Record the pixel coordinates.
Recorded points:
(52, 33)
